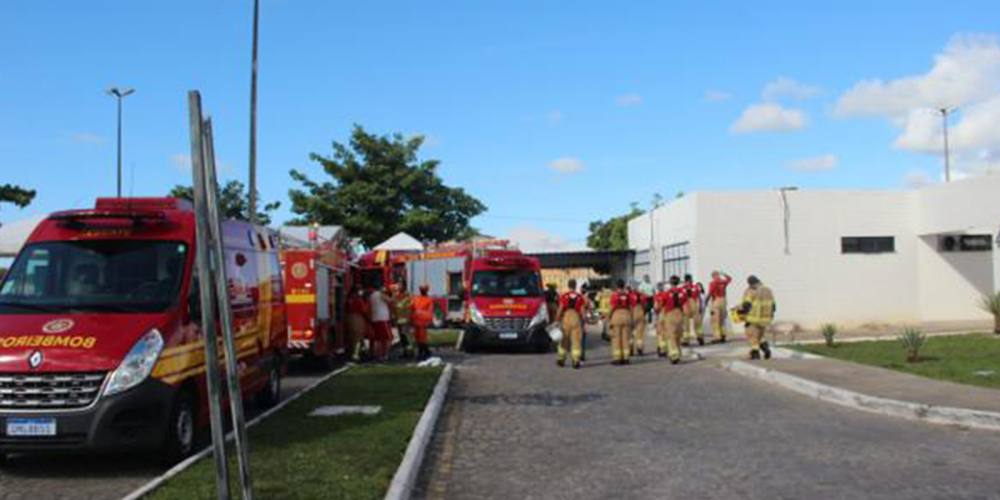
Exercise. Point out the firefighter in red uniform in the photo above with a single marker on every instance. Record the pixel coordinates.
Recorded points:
(422, 316)
(670, 310)
(692, 311)
(571, 308)
(717, 305)
(620, 325)
(357, 322)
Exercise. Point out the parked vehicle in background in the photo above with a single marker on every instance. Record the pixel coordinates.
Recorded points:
(492, 290)
(100, 343)
(316, 264)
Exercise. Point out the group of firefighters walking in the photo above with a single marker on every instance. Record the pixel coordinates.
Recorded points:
(674, 308)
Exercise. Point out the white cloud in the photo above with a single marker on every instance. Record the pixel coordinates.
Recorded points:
(717, 95)
(567, 165)
(86, 138)
(532, 239)
(965, 77)
(769, 118)
(554, 117)
(917, 179)
(813, 164)
(787, 87)
(181, 162)
(627, 100)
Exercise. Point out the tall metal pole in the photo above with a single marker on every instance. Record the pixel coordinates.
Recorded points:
(120, 94)
(226, 315)
(947, 155)
(202, 234)
(253, 119)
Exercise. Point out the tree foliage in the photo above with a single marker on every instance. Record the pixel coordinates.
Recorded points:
(16, 195)
(612, 234)
(233, 202)
(379, 187)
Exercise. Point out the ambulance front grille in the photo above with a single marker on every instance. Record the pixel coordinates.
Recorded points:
(49, 391)
(506, 324)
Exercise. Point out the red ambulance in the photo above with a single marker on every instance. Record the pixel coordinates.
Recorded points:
(100, 344)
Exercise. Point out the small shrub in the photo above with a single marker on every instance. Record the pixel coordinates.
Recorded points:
(829, 331)
(912, 339)
(991, 304)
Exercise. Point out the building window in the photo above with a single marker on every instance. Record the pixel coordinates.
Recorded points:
(965, 243)
(868, 244)
(676, 260)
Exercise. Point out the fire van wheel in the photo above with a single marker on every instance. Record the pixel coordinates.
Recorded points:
(271, 394)
(3, 459)
(180, 439)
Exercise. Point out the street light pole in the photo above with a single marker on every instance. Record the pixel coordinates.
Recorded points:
(253, 120)
(947, 155)
(120, 94)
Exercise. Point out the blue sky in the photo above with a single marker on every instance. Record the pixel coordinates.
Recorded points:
(552, 113)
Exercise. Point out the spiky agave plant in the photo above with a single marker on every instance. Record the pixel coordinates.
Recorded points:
(991, 304)
(829, 331)
(912, 339)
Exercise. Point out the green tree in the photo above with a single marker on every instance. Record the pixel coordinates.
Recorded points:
(16, 195)
(233, 202)
(379, 187)
(612, 234)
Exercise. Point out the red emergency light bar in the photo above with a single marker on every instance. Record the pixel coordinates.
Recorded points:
(508, 261)
(142, 204)
(79, 219)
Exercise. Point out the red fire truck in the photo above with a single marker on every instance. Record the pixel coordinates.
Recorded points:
(316, 263)
(491, 289)
(100, 343)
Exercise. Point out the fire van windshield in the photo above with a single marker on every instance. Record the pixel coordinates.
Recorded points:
(100, 276)
(513, 283)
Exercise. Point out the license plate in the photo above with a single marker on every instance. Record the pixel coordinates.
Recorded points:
(508, 335)
(31, 427)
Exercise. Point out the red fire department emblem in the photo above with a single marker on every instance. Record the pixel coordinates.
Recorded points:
(299, 270)
(58, 325)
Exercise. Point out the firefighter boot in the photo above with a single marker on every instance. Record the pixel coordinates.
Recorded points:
(766, 348)
(754, 354)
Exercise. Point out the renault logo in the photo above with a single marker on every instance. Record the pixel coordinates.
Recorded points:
(35, 360)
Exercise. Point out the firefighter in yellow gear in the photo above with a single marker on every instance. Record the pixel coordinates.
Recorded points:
(571, 310)
(692, 311)
(637, 299)
(620, 325)
(669, 306)
(717, 305)
(757, 310)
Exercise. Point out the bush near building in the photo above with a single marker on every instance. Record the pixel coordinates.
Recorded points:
(972, 359)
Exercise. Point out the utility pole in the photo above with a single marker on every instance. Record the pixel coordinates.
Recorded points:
(253, 119)
(947, 155)
(120, 94)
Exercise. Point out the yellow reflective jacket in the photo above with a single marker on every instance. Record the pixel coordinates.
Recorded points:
(761, 300)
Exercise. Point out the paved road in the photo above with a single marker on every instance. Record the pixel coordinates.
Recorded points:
(96, 478)
(517, 427)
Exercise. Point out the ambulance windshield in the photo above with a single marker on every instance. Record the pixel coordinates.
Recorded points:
(512, 283)
(106, 276)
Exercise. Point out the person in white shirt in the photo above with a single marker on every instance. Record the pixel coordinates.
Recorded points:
(382, 336)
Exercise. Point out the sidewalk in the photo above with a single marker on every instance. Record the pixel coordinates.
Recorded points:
(877, 390)
(889, 384)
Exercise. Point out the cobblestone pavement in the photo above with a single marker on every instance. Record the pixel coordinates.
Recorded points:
(518, 427)
(108, 477)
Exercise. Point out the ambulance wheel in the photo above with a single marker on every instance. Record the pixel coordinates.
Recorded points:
(181, 429)
(270, 395)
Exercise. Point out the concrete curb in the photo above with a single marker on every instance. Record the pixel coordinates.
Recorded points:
(401, 486)
(943, 415)
(155, 483)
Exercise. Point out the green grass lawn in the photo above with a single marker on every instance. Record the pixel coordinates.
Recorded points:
(953, 358)
(446, 337)
(294, 456)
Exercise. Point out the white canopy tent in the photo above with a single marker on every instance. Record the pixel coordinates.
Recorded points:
(401, 242)
(14, 234)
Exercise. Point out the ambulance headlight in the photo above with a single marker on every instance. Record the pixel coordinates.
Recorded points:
(137, 365)
(541, 317)
(475, 315)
